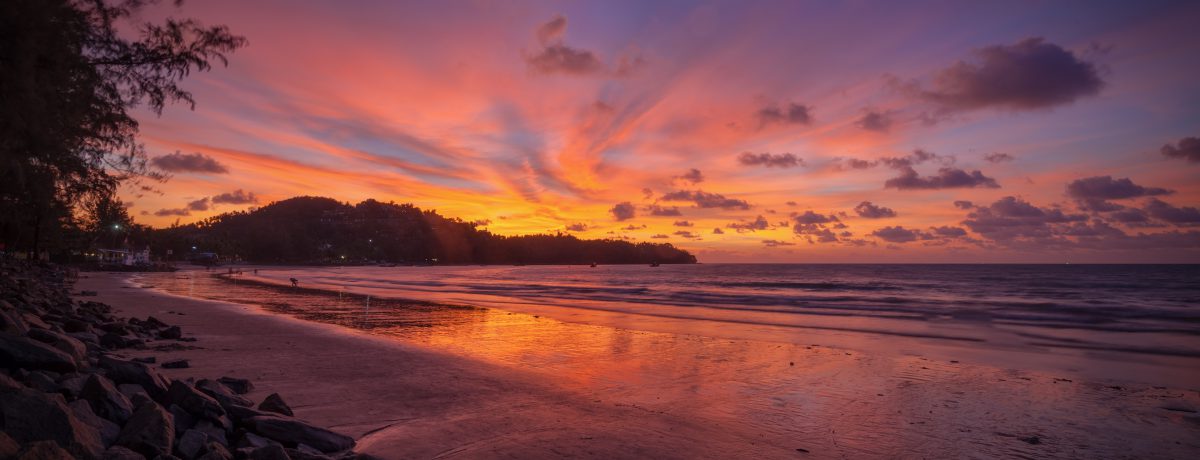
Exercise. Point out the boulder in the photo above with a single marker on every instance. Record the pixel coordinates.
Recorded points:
(191, 444)
(193, 401)
(34, 321)
(222, 394)
(254, 441)
(215, 429)
(62, 342)
(8, 446)
(304, 452)
(274, 403)
(72, 384)
(7, 383)
(122, 371)
(171, 333)
(216, 451)
(106, 400)
(291, 432)
(121, 453)
(44, 450)
(131, 390)
(177, 364)
(150, 432)
(183, 420)
(74, 325)
(271, 452)
(22, 352)
(11, 322)
(239, 386)
(146, 360)
(54, 422)
(42, 381)
(107, 429)
(239, 413)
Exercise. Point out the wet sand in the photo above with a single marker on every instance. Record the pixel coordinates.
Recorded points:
(502, 384)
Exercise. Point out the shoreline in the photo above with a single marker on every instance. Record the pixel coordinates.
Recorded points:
(410, 402)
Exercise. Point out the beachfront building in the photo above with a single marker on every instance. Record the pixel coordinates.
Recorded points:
(124, 257)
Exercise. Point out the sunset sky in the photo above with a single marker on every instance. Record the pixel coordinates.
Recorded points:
(740, 131)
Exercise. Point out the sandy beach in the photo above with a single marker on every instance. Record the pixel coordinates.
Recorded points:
(406, 402)
(520, 386)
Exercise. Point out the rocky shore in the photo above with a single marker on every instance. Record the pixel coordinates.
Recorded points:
(68, 391)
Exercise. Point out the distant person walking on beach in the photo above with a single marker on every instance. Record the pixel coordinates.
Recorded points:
(295, 282)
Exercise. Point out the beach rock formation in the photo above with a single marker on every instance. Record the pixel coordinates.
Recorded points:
(67, 391)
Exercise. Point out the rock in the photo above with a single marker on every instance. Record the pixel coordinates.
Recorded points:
(146, 360)
(216, 430)
(171, 333)
(42, 381)
(34, 321)
(54, 422)
(274, 403)
(107, 429)
(11, 322)
(272, 452)
(176, 364)
(305, 452)
(121, 453)
(183, 420)
(132, 389)
(150, 432)
(239, 413)
(105, 400)
(239, 386)
(193, 401)
(62, 342)
(291, 432)
(191, 444)
(44, 450)
(122, 371)
(74, 325)
(113, 340)
(85, 337)
(216, 451)
(7, 383)
(8, 446)
(254, 441)
(222, 394)
(21, 352)
(72, 384)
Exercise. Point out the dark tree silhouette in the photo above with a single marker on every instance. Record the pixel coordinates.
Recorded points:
(322, 230)
(68, 77)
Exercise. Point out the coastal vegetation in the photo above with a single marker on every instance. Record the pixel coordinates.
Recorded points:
(323, 230)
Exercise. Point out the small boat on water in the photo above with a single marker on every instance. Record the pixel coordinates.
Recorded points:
(654, 264)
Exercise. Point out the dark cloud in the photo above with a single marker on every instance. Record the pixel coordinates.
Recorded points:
(553, 30)
(998, 157)
(717, 231)
(647, 193)
(876, 121)
(945, 178)
(660, 236)
(189, 162)
(580, 227)
(792, 113)
(706, 200)
(948, 232)
(481, 222)
(173, 212)
(693, 175)
(774, 243)
(791, 203)
(198, 205)
(855, 163)
(868, 210)
(1030, 74)
(683, 223)
(963, 204)
(663, 211)
(623, 211)
(686, 234)
(760, 223)
(1107, 188)
(238, 196)
(1187, 148)
(782, 160)
(1012, 218)
(1166, 212)
(565, 60)
(816, 227)
(632, 227)
(896, 234)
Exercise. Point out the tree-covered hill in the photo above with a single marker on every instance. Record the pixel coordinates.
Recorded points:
(323, 230)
